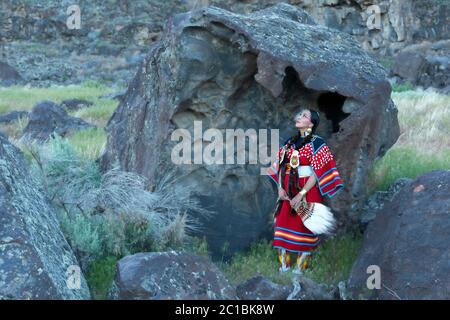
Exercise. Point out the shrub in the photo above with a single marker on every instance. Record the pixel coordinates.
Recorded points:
(110, 214)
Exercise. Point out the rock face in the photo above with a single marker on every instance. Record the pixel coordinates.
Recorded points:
(114, 35)
(234, 71)
(426, 64)
(169, 275)
(47, 118)
(111, 41)
(34, 255)
(402, 22)
(409, 241)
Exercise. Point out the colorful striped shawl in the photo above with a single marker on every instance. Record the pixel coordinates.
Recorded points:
(323, 165)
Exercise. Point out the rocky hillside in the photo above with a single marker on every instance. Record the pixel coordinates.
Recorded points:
(115, 35)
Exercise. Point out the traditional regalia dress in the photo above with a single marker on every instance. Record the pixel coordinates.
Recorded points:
(314, 158)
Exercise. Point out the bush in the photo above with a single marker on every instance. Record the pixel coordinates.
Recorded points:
(110, 214)
(101, 276)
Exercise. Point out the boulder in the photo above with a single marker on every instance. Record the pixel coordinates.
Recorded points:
(8, 75)
(303, 288)
(169, 276)
(250, 71)
(36, 262)
(409, 242)
(261, 288)
(47, 118)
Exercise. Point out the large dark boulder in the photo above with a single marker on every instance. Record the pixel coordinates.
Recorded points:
(35, 258)
(169, 276)
(47, 118)
(409, 241)
(251, 71)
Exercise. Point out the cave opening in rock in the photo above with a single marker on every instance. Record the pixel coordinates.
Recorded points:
(331, 104)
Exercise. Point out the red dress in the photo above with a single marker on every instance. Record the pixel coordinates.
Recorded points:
(289, 231)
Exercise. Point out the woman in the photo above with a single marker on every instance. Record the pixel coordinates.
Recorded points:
(303, 162)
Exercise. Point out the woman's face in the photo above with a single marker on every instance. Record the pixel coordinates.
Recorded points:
(303, 121)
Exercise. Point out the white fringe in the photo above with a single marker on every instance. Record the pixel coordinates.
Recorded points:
(321, 220)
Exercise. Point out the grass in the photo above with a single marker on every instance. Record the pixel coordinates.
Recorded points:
(331, 261)
(101, 275)
(24, 98)
(424, 142)
(407, 86)
(89, 144)
(102, 272)
(405, 162)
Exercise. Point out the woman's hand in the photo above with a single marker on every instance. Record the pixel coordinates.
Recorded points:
(282, 194)
(295, 202)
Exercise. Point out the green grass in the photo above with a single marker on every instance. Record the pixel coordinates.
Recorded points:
(100, 276)
(334, 258)
(386, 62)
(407, 86)
(405, 161)
(16, 98)
(424, 142)
(89, 144)
(331, 261)
(102, 272)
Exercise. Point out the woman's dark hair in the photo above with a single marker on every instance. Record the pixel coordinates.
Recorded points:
(315, 119)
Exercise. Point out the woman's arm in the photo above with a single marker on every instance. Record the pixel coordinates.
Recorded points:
(310, 183)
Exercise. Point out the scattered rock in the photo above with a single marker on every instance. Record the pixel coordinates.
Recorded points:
(169, 275)
(35, 258)
(408, 241)
(261, 288)
(236, 71)
(47, 118)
